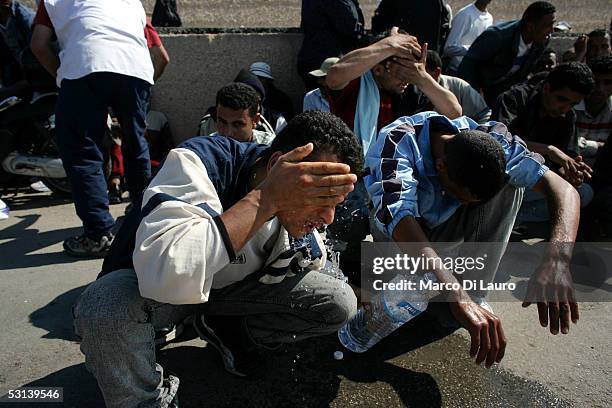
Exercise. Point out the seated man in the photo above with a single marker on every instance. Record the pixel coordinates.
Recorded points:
(215, 240)
(505, 53)
(542, 115)
(317, 98)
(594, 113)
(369, 88)
(433, 179)
(467, 25)
(237, 114)
(588, 47)
(471, 101)
(208, 123)
(277, 105)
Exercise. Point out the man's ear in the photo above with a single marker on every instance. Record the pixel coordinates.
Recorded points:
(273, 159)
(378, 70)
(256, 119)
(441, 166)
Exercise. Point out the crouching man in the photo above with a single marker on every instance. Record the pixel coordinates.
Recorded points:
(215, 241)
(433, 179)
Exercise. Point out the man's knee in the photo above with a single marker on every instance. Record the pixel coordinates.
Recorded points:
(341, 307)
(108, 305)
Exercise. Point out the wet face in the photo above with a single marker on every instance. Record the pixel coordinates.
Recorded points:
(558, 102)
(541, 30)
(303, 220)
(389, 79)
(598, 47)
(236, 124)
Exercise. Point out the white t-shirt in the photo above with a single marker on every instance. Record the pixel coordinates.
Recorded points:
(467, 25)
(100, 36)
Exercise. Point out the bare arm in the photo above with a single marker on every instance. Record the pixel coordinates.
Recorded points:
(41, 48)
(551, 284)
(488, 342)
(443, 100)
(357, 62)
(310, 184)
(160, 59)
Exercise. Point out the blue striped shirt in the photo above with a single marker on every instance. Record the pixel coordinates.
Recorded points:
(403, 180)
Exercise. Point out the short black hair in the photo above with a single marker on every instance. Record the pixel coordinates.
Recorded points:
(238, 96)
(600, 32)
(535, 11)
(601, 65)
(327, 132)
(573, 75)
(433, 60)
(476, 161)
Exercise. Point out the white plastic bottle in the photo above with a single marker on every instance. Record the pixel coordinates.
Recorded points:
(388, 311)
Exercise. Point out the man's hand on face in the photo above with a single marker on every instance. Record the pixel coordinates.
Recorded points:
(404, 45)
(410, 71)
(292, 183)
(551, 288)
(488, 341)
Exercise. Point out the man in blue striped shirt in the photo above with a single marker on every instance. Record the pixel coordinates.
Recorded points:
(432, 179)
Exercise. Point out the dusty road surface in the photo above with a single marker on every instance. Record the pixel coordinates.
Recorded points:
(40, 283)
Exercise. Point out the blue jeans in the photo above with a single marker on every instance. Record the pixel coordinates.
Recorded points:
(489, 223)
(81, 115)
(117, 325)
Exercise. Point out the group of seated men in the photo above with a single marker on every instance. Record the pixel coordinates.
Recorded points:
(227, 235)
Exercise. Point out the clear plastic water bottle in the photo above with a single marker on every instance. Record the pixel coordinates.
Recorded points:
(387, 311)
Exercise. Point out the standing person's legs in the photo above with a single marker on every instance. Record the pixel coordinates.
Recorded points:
(130, 104)
(80, 127)
(490, 224)
(117, 327)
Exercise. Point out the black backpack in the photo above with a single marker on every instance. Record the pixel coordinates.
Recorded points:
(165, 14)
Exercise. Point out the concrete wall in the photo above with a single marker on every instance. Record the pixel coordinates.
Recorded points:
(202, 62)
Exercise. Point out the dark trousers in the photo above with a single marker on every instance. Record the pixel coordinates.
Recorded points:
(81, 116)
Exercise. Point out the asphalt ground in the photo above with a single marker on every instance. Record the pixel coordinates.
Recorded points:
(421, 365)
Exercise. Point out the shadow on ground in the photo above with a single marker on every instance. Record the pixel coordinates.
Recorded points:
(419, 365)
(80, 388)
(22, 241)
(32, 201)
(56, 316)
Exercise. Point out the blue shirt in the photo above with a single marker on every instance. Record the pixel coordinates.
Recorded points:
(403, 180)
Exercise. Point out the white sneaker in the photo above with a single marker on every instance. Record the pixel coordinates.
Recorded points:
(40, 187)
(4, 210)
